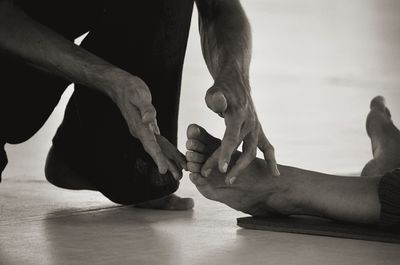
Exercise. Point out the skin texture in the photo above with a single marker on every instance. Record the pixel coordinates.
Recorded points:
(226, 43)
(45, 49)
(299, 191)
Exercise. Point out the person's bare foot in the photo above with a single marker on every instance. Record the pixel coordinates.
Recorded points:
(385, 139)
(171, 202)
(254, 192)
(61, 175)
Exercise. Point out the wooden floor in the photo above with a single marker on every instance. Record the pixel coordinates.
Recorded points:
(316, 65)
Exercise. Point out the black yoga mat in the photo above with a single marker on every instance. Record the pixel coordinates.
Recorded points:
(320, 227)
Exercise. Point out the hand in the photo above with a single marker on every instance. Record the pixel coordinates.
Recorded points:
(176, 160)
(235, 105)
(133, 98)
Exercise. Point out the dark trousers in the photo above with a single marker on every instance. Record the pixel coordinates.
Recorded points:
(146, 38)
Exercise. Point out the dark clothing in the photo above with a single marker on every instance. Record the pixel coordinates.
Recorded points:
(146, 38)
(389, 196)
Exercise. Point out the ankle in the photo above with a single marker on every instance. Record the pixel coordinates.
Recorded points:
(289, 196)
(283, 199)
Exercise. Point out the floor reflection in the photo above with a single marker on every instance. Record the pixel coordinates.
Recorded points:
(126, 234)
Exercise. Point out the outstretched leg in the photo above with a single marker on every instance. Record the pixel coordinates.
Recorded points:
(296, 191)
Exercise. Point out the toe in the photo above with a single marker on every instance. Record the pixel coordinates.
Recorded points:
(197, 132)
(197, 179)
(194, 167)
(195, 157)
(195, 145)
(193, 131)
(378, 118)
(378, 102)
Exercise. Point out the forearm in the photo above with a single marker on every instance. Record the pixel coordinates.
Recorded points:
(43, 48)
(352, 199)
(226, 40)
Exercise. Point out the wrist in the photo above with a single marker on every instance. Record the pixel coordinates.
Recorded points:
(116, 80)
(233, 77)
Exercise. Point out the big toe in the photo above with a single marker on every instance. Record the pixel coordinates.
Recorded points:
(378, 118)
(197, 132)
(378, 103)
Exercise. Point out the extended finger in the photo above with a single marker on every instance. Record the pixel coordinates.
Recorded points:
(211, 163)
(180, 160)
(154, 127)
(176, 173)
(230, 142)
(171, 152)
(269, 153)
(248, 155)
(140, 96)
(151, 146)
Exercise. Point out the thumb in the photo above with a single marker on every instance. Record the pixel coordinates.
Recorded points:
(216, 101)
(148, 113)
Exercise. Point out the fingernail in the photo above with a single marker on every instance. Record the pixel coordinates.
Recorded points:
(277, 173)
(147, 116)
(232, 180)
(207, 172)
(225, 167)
(180, 175)
(157, 130)
(198, 132)
(176, 175)
(154, 128)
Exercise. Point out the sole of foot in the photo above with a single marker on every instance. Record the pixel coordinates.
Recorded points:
(171, 203)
